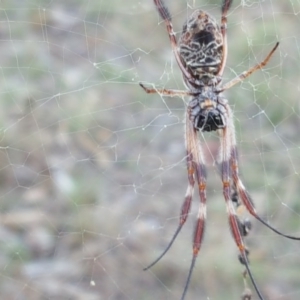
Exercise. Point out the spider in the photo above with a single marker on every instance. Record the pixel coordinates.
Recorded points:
(201, 56)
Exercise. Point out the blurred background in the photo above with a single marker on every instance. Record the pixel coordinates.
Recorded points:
(92, 169)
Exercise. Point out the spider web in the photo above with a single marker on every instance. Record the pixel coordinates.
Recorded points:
(93, 170)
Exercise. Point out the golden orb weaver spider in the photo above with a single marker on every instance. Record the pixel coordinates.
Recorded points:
(201, 55)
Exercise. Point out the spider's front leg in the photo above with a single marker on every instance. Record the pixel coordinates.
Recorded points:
(227, 138)
(195, 169)
(192, 158)
(196, 159)
(230, 166)
(244, 226)
(242, 192)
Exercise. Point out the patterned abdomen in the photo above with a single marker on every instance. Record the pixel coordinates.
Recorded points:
(201, 45)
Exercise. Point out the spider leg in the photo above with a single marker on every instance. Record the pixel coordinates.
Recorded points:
(241, 190)
(226, 139)
(190, 144)
(225, 8)
(200, 173)
(245, 197)
(166, 16)
(166, 92)
(246, 74)
(245, 227)
(167, 248)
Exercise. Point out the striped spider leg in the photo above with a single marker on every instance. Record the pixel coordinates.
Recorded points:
(201, 55)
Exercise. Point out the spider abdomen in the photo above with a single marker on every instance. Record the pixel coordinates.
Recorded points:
(201, 45)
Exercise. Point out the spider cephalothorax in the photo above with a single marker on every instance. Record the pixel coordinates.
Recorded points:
(201, 56)
(207, 110)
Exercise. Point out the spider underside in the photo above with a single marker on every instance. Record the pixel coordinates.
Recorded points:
(201, 55)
